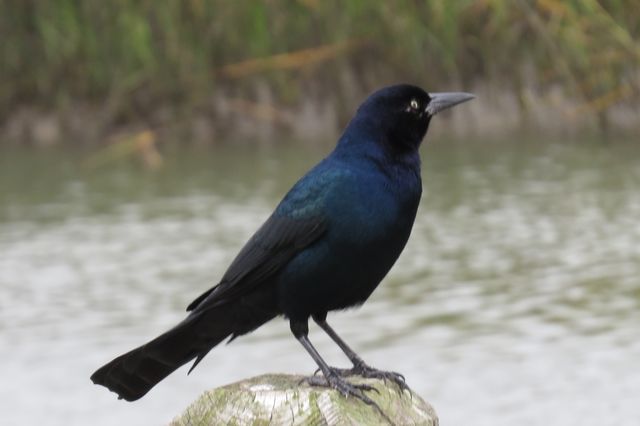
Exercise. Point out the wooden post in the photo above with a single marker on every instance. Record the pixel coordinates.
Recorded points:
(278, 399)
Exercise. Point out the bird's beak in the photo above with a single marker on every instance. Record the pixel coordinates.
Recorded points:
(442, 101)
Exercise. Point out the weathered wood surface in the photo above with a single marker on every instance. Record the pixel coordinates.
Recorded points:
(278, 399)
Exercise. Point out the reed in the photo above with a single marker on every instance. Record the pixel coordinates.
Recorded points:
(174, 51)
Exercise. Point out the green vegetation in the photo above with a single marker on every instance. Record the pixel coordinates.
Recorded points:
(177, 52)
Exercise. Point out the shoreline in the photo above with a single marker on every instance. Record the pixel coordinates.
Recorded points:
(495, 113)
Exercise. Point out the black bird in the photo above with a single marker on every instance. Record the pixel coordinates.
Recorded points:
(327, 246)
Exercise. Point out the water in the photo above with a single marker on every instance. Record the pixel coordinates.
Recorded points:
(516, 301)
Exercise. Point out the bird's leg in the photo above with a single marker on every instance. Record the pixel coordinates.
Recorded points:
(331, 379)
(360, 368)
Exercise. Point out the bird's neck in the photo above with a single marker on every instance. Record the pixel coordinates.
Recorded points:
(368, 146)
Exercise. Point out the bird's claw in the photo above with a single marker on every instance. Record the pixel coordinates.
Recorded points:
(335, 381)
(363, 370)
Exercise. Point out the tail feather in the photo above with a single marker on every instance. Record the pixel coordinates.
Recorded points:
(133, 374)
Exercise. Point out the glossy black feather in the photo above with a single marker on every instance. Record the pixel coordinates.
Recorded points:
(272, 246)
(327, 246)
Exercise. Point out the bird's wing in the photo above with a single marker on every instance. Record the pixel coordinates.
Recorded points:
(279, 239)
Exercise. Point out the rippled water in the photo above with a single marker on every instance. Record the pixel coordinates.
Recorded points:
(516, 301)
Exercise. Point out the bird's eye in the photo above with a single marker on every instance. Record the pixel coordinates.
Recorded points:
(414, 104)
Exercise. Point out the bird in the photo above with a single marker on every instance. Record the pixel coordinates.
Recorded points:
(327, 245)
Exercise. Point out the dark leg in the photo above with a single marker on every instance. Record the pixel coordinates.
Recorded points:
(360, 368)
(331, 379)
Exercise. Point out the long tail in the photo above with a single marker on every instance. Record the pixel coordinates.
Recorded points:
(133, 374)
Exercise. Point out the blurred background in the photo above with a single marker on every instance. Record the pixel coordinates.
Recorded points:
(142, 143)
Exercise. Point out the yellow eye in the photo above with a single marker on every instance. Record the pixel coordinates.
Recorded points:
(414, 104)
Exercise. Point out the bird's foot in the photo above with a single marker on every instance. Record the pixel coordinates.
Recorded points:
(336, 381)
(363, 370)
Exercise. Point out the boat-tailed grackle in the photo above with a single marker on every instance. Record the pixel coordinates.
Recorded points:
(327, 246)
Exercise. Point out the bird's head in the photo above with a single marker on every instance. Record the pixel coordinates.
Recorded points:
(399, 115)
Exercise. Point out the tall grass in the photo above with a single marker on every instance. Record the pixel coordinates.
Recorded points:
(173, 50)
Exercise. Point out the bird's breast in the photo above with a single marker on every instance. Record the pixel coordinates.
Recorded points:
(369, 222)
(372, 207)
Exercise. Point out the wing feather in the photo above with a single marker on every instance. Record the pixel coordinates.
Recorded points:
(278, 240)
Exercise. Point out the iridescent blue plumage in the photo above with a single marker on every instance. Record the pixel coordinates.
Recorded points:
(327, 246)
(368, 217)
